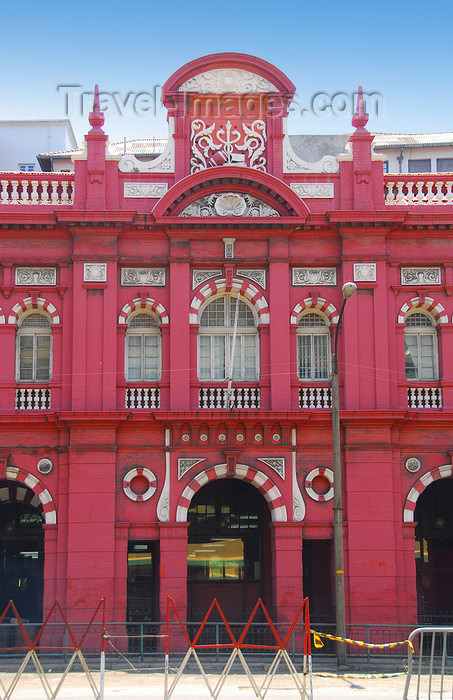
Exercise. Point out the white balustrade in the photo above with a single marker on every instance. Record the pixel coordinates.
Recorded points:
(418, 191)
(240, 397)
(424, 397)
(142, 397)
(315, 397)
(42, 191)
(32, 399)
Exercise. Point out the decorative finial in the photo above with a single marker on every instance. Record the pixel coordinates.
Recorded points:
(96, 117)
(360, 117)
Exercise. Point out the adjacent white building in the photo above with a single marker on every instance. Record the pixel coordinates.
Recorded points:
(22, 140)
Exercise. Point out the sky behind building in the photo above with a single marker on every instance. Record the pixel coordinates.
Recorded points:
(399, 53)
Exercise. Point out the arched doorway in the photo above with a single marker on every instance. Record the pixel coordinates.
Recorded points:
(228, 554)
(21, 551)
(434, 552)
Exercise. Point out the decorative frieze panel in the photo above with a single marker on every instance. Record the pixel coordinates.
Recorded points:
(275, 463)
(420, 275)
(313, 190)
(145, 190)
(229, 204)
(143, 276)
(228, 144)
(257, 276)
(42, 276)
(200, 276)
(227, 80)
(319, 276)
(186, 463)
(95, 272)
(364, 272)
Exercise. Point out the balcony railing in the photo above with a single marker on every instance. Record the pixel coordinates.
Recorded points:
(419, 189)
(142, 397)
(32, 399)
(424, 397)
(240, 397)
(315, 397)
(52, 189)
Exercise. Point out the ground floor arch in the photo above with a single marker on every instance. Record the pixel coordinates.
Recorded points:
(21, 550)
(434, 552)
(228, 554)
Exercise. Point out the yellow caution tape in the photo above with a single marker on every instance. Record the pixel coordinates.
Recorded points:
(317, 641)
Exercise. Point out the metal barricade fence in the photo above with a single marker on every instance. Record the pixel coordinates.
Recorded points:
(430, 666)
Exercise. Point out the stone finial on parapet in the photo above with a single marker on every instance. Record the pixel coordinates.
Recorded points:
(360, 118)
(96, 117)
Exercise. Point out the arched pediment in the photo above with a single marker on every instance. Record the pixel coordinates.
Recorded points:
(230, 192)
(232, 73)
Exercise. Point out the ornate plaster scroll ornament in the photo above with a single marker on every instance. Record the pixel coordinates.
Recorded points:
(227, 80)
(44, 276)
(320, 276)
(227, 145)
(200, 276)
(229, 204)
(275, 463)
(165, 163)
(186, 463)
(145, 190)
(257, 276)
(95, 272)
(364, 272)
(420, 275)
(313, 190)
(139, 276)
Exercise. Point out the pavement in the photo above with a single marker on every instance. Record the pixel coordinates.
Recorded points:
(147, 684)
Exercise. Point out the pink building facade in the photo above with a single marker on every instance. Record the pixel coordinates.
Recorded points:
(132, 291)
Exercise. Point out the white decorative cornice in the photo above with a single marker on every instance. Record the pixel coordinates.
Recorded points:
(257, 276)
(364, 272)
(43, 276)
(145, 190)
(319, 276)
(143, 276)
(313, 190)
(227, 80)
(420, 275)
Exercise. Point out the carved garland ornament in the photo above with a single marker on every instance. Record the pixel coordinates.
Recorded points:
(227, 145)
(420, 275)
(138, 276)
(227, 80)
(36, 275)
(229, 204)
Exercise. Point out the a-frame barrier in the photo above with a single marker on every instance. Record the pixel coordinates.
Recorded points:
(237, 646)
(30, 647)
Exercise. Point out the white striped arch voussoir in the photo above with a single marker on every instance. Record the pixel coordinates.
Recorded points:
(246, 289)
(321, 305)
(435, 309)
(425, 480)
(27, 305)
(252, 476)
(42, 500)
(149, 305)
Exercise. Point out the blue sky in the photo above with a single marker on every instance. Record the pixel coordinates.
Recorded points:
(400, 52)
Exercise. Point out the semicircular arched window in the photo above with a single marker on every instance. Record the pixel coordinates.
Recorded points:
(34, 349)
(143, 349)
(420, 347)
(215, 341)
(313, 354)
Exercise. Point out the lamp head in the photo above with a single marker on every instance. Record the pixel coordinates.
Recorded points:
(349, 289)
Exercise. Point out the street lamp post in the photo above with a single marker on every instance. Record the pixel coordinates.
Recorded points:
(348, 290)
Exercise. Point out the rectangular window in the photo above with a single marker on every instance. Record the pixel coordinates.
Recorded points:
(385, 165)
(34, 358)
(312, 356)
(143, 356)
(26, 167)
(422, 165)
(214, 357)
(444, 165)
